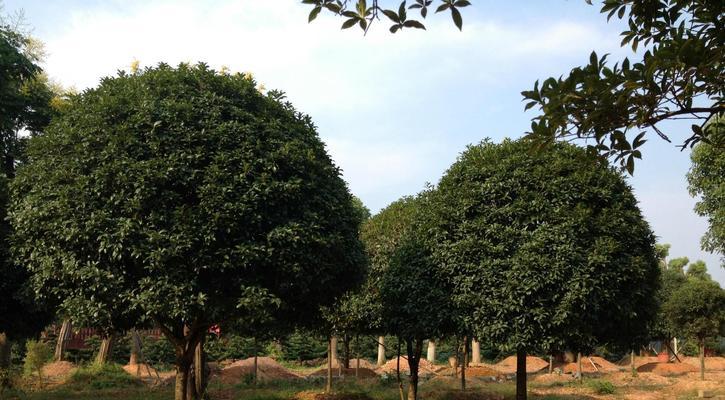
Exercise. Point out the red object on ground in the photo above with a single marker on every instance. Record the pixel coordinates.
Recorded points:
(663, 357)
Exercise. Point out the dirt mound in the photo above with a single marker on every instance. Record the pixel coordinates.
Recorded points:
(424, 367)
(353, 362)
(480, 370)
(638, 361)
(711, 363)
(604, 365)
(642, 378)
(533, 364)
(552, 378)
(311, 395)
(336, 372)
(666, 369)
(58, 370)
(267, 369)
(600, 365)
(140, 370)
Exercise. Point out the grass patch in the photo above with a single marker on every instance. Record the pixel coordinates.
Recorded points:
(600, 386)
(106, 376)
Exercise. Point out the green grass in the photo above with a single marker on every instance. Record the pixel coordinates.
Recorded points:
(106, 376)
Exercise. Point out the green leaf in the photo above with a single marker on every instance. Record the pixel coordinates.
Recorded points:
(391, 15)
(457, 19)
(350, 22)
(313, 14)
(413, 24)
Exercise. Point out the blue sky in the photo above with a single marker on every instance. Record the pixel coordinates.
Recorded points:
(394, 110)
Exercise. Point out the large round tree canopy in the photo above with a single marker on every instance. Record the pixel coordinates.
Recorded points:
(546, 251)
(184, 194)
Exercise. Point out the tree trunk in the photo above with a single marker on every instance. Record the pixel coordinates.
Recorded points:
(397, 373)
(431, 356)
(5, 348)
(182, 380)
(381, 350)
(200, 373)
(135, 349)
(520, 374)
(256, 365)
(475, 352)
(414, 352)
(346, 351)
(328, 387)
(702, 360)
(551, 363)
(357, 357)
(631, 363)
(579, 366)
(464, 362)
(105, 350)
(63, 337)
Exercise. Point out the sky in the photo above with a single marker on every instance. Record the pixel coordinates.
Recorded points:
(395, 111)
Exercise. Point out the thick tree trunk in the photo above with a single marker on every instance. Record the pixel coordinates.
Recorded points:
(200, 373)
(182, 380)
(105, 350)
(702, 360)
(464, 362)
(397, 374)
(381, 350)
(475, 352)
(5, 348)
(520, 374)
(328, 387)
(631, 363)
(579, 366)
(63, 337)
(431, 356)
(414, 349)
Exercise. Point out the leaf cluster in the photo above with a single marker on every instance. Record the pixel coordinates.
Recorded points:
(360, 13)
(680, 76)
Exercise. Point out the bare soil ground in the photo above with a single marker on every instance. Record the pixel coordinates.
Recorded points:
(267, 369)
(508, 365)
(425, 368)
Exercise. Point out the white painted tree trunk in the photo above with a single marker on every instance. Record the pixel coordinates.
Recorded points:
(431, 356)
(475, 352)
(381, 350)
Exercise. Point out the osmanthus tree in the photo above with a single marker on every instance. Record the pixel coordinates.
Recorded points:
(547, 250)
(680, 76)
(705, 179)
(414, 300)
(697, 309)
(25, 105)
(183, 194)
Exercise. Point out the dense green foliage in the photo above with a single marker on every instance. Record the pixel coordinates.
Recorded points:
(706, 179)
(697, 309)
(185, 197)
(546, 251)
(24, 105)
(679, 76)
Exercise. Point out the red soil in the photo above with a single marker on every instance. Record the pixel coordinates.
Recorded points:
(424, 367)
(666, 369)
(267, 369)
(533, 364)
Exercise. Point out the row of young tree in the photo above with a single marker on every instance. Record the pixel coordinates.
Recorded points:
(183, 198)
